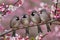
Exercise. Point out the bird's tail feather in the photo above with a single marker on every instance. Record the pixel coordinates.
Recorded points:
(27, 30)
(48, 28)
(39, 29)
(14, 33)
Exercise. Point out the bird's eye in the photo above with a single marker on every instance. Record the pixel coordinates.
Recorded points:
(17, 18)
(41, 12)
(32, 14)
(24, 16)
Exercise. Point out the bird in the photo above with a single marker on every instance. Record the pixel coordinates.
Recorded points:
(14, 23)
(25, 20)
(36, 19)
(45, 17)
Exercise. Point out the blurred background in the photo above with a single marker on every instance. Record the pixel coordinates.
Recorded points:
(25, 8)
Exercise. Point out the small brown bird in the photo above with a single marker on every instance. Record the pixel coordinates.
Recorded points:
(14, 23)
(45, 17)
(26, 21)
(36, 19)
